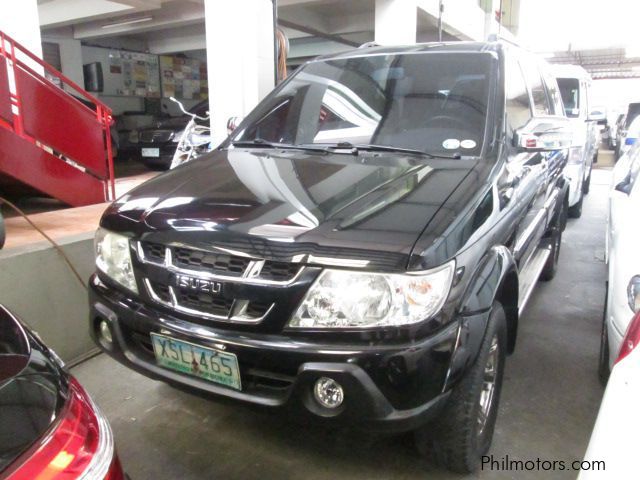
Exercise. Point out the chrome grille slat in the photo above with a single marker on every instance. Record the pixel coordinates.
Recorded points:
(252, 273)
(241, 315)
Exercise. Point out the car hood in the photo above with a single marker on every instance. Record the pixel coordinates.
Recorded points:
(173, 123)
(363, 210)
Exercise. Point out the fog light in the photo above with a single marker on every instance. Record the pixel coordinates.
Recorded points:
(105, 332)
(328, 392)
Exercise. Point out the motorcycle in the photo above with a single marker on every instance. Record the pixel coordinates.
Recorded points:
(195, 140)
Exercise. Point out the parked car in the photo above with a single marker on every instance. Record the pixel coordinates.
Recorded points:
(613, 448)
(623, 258)
(633, 110)
(575, 85)
(613, 131)
(49, 426)
(358, 252)
(630, 137)
(157, 144)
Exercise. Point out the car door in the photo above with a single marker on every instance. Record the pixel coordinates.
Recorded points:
(531, 170)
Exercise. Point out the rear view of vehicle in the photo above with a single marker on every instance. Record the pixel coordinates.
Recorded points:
(49, 427)
(574, 83)
(613, 447)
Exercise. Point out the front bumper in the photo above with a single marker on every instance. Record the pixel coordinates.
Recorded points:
(387, 387)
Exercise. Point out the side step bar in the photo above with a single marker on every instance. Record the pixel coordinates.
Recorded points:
(530, 274)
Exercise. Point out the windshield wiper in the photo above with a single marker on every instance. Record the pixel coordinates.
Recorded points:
(355, 148)
(260, 143)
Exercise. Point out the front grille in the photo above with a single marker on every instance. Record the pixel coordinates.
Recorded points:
(279, 271)
(203, 302)
(207, 269)
(156, 136)
(197, 302)
(221, 263)
(154, 251)
(218, 263)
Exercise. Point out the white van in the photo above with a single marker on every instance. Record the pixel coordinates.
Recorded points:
(575, 83)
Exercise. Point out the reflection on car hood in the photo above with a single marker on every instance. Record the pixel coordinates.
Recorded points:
(316, 208)
(32, 389)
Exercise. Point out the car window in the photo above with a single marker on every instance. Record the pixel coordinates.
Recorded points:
(518, 103)
(541, 104)
(557, 107)
(435, 102)
(570, 91)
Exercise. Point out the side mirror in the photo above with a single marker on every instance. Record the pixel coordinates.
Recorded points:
(232, 124)
(544, 134)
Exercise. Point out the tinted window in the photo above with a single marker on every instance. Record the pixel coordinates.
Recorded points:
(557, 104)
(518, 104)
(540, 101)
(427, 101)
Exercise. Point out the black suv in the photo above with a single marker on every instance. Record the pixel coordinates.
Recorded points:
(358, 251)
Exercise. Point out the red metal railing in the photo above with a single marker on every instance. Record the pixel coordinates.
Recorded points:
(49, 139)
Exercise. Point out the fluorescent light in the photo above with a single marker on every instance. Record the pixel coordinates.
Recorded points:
(128, 22)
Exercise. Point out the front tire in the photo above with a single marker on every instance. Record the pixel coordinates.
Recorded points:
(551, 266)
(576, 210)
(463, 432)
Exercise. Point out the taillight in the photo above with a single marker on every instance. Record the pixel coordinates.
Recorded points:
(78, 446)
(631, 339)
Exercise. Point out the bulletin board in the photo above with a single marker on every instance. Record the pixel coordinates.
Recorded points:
(134, 73)
(183, 78)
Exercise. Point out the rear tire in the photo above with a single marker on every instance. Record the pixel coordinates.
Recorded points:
(551, 266)
(463, 432)
(604, 356)
(576, 210)
(586, 184)
(2, 231)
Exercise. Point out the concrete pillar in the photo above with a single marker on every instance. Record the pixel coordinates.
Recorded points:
(240, 60)
(20, 21)
(396, 22)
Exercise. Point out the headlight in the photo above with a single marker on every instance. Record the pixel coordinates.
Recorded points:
(633, 293)
(114, 259)
(575, 156)
(347, 299)
(134, 136)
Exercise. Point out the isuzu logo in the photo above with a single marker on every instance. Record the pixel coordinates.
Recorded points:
(198, 284)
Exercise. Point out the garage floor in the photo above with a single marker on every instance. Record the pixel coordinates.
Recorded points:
(549, 402)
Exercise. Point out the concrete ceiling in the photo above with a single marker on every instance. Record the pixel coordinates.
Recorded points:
(314, 27)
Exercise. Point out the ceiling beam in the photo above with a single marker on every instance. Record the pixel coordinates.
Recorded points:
(317, 33)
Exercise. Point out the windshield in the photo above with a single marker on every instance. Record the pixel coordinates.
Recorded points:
(570, 92)
(433, 102)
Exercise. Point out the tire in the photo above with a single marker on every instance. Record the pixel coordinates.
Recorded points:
(604, 355)
(576, 210)
(2, 231)
(551, 266)
(586, 184)
(459, 437)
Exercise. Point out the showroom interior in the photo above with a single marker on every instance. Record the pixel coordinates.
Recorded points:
(286, 239)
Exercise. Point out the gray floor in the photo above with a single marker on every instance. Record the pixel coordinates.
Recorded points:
(549, 402)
